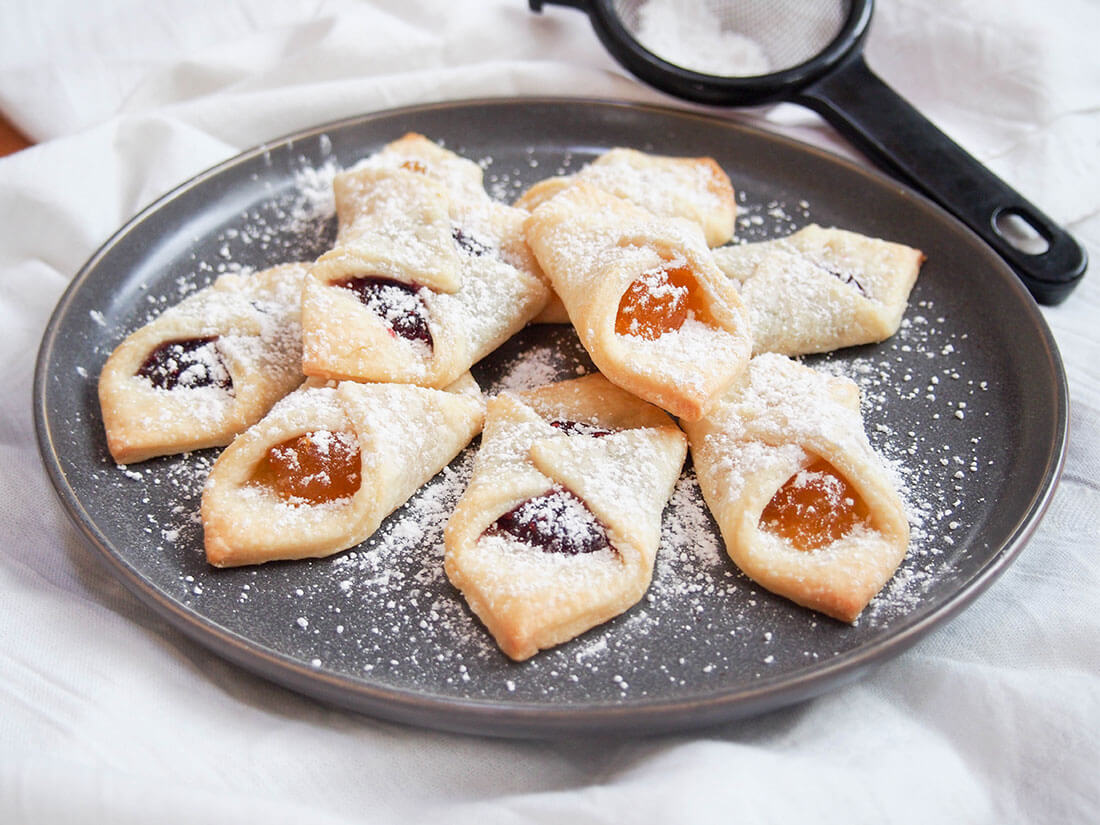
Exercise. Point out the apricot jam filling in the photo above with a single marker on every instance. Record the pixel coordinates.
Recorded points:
(554, 522)
(659, 302)
(814, 508)
(395, 302)
(316, 467)
(190, 363)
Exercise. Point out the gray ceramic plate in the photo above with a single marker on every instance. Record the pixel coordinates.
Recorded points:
(967, 403)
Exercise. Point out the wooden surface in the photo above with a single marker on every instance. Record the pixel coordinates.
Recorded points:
(11, 139)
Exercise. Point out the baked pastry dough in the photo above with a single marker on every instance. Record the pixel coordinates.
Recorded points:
(649, 305)
(804, 504)
(818, 289)
(416, 153)
(330, 461)
(462, 178)
(206, 368)
(423, 281)
(558, 529)
(696, 189)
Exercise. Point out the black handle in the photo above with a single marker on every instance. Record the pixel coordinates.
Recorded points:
(893, 134)
(536, 5)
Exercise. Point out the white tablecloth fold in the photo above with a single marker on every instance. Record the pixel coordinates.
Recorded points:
(112, 716)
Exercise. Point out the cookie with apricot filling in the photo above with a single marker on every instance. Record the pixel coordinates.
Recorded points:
(320, 472)
(804, 504)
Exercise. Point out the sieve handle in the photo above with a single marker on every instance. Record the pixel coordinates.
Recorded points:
(892, 133)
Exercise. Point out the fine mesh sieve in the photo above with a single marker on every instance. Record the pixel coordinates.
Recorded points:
(810, 52)
(686, 33)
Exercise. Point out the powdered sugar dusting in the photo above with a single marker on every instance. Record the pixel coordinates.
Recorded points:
(922, 366)
(689, 34)
(391, 594)
(385, 612)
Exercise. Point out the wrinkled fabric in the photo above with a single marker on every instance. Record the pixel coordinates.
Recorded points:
(110, 715)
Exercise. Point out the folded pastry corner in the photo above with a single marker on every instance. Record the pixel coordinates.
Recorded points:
(395, 213)
(558, 529)
(206, 368)
(321, 471)
(693, 188)
(415, 152)
(804, 504)
(820, 289)
(647, 301)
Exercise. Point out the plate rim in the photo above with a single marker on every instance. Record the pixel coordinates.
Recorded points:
(525, 718)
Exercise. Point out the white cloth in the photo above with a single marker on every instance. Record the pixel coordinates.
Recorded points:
(111, 716)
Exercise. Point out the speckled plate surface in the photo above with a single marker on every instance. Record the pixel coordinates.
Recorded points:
(968, 405)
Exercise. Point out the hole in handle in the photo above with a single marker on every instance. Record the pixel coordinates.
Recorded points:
(1017, 229)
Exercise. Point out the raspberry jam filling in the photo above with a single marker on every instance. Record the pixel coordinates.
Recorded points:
(814, 508)
(848, 279)
(190, 363)
(316, 467)
(578, 428)
(469, 244)
(554, 522)
(395, 302)
(659, 302)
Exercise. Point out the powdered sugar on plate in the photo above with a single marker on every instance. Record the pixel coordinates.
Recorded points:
(385, 610)
(385, 613)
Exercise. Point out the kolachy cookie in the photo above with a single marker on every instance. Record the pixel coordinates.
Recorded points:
(648, 303)
(558, 529)
(321, 471)
(805, 506)
(206, 368)
(821, 289)
(423, 280)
